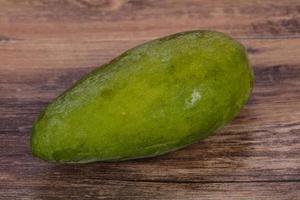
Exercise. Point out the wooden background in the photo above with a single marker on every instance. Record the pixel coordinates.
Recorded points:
(46, 45)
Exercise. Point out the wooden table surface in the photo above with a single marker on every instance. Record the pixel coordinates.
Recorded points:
(46, 45)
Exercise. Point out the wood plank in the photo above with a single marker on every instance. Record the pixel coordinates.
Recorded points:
(262, 144)
(92, 52)
(132, 19)
(105, 189)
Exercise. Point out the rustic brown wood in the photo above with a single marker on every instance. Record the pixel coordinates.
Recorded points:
(45, 46)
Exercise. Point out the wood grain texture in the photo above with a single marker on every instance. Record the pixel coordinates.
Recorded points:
(46, 46)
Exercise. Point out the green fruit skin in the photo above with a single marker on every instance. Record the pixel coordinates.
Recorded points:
(155, 98)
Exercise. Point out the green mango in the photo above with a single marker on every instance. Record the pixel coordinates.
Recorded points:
(155, 98)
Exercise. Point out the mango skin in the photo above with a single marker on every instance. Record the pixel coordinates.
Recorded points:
(155, 98)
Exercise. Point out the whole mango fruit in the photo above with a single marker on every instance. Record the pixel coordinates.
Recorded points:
(155, 98)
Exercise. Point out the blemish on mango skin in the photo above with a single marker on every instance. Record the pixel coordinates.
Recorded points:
(193, 99)
(153, 99)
